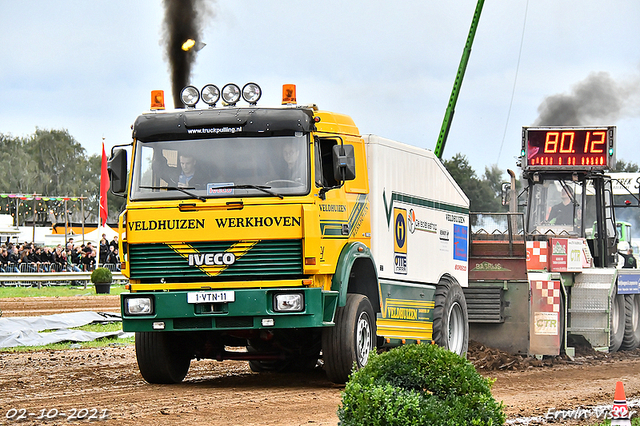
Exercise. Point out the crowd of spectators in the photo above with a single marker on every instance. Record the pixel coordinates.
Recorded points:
(29, 257)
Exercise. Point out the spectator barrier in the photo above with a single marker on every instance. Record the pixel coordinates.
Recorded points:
(28, 279)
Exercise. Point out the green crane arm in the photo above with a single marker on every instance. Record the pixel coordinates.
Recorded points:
(448, 115)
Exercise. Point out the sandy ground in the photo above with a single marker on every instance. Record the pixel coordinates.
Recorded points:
(36, 306)
(72, 385)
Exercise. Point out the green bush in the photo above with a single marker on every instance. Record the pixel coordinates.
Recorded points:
(419, 385)
(101, 275)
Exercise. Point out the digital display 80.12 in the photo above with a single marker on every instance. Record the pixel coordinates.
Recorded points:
(570, 148)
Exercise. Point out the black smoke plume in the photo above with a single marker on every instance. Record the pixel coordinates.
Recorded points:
(597, 100)
(183, 20)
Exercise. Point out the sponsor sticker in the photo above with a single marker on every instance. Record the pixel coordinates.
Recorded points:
(546, 323)
(400, 241)
(460, 242)
(414, 224)
(400, 264)
(400, 230)
(629, 284)
(219, 188)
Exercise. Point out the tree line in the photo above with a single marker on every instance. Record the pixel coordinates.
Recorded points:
(52, 163)
(45, 168)
(485, 192)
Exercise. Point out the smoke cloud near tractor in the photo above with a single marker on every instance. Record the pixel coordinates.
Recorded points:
(597, 100)
(183, 23)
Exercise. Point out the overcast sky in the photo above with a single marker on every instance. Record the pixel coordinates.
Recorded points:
(89, 66)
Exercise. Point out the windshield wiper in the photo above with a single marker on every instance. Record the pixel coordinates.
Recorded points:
(262, 188)
(177, 188)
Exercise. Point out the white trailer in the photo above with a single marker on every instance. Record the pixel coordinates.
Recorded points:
(419, 238)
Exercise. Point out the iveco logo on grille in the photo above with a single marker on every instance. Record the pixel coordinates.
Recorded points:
(211, 259)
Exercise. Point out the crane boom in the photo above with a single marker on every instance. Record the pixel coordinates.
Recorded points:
(448, 115)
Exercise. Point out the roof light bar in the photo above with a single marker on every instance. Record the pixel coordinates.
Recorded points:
(230, 93)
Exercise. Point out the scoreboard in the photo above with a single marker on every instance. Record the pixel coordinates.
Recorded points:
(568, 148)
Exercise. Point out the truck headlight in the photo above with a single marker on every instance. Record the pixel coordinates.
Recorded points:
(288, 302)
(138, 306)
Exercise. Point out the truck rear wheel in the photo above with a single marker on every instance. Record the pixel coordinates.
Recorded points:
(617, 322)
(631, 339)
(351, 340)
(161, 357)
(450, 320)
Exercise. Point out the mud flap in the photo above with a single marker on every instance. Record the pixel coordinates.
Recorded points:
(546, 317)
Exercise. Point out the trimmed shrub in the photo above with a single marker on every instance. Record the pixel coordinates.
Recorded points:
(101, 275)
(419, 385)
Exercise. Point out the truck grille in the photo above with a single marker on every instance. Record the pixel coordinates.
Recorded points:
(253, 260)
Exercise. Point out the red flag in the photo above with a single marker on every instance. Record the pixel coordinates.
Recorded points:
(104, 187)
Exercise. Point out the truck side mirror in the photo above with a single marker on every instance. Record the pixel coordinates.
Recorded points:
(117, 169)
(344, 163)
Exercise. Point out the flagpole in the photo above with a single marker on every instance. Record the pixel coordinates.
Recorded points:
(102, 201)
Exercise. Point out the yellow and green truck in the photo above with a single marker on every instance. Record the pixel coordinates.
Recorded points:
(284, 237)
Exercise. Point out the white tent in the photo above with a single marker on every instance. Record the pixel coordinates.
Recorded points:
(95, 235)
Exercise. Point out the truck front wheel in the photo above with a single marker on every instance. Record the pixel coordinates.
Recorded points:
(161, 357)
(450, 321)
(351, 340)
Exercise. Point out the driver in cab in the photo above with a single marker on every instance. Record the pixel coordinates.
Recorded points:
(562, 213)
(288, 168)
(294, 169)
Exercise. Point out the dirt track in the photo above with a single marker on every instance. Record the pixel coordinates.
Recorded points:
(36, 306)
(227, 393)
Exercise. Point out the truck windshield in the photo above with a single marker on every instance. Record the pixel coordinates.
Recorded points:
(224, 167)
(556, 207)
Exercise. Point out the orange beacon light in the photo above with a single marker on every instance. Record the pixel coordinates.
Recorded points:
(157, 99)
(289, 94)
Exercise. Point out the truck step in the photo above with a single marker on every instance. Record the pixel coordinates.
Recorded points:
(588, 311)
(578, 330)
